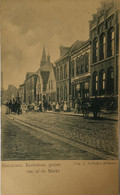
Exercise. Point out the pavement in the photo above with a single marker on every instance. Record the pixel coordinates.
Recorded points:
(103, 115)
(20, 142)
(100, 134)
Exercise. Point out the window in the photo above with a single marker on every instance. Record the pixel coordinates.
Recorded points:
(95, 83)
(95, 50)
(65, 92)
(72, 68)
(61, 93)
(110, 81)
(77, 66)
(86, 89)
(110, 42)
(52, 84)
(102, 46)
(65, 71)
(86, 85)
(61, 73)
(86, 62)
(102, 82)
(57, 74)
(82, 64)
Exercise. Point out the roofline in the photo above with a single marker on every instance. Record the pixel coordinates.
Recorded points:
(22, 85)
(31, 76)
(82, 46)
(69, 54)
(61, 58)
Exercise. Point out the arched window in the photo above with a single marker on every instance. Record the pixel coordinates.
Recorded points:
(110, 81)
(65, 71)
(57, 74)
(86, 60)
(95, 50)
(61, 73)
(77, 66)
(95, 83)
(110, 42)
(102, 46)
(82, 64)
(72, 68)
(102, 82)
(65, 92)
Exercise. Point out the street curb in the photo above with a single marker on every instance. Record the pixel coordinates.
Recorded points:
(80, 145)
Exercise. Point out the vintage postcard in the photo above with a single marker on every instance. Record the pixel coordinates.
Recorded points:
(59, 97)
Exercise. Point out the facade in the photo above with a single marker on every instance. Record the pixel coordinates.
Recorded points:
(80, 71)
(30, 87)
(46, 80)
(22, 94)
(63, 85)
(104, 36)
(51, 86)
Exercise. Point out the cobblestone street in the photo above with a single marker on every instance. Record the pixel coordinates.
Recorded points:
(98, 134)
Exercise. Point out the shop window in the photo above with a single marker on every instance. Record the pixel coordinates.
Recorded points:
(110, 42)
(86, 85)
(95, 83)
(86, 89)
(102, 46)
(95, 50)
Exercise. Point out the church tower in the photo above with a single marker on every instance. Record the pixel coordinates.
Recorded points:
(43, 60)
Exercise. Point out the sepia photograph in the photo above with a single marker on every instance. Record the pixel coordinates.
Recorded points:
(59, 80)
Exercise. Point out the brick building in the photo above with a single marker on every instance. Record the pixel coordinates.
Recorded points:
(104, 36)
(63, 84)
(30, 87)
(80, 70)
(22, 93)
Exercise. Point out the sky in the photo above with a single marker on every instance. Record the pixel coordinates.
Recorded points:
(28, 25)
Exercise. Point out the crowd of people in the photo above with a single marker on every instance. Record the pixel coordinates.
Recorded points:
(13, 106)
(81, 105)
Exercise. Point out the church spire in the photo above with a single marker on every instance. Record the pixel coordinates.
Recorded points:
(43, 60)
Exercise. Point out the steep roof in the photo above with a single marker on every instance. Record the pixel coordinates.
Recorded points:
(29, 75)
(46, 67)
(76, 45)
(45, 76)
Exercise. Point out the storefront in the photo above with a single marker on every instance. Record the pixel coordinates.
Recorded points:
(80, 88)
